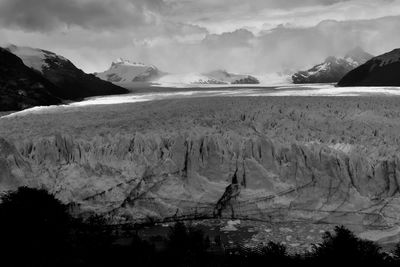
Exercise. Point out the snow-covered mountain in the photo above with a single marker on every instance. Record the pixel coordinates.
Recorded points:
(222, 76)
(36, 59)
(125, 71)
(216, 77)
(383, 70)
(333, 69)
(21, 87)
(72, 82)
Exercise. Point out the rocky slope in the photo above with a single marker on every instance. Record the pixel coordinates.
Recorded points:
(379, 71)
(21, 87)
(124, 71)
(270, 159)
(333, 69)
(73, 83)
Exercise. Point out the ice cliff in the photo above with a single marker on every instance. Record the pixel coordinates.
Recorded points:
(187, 174)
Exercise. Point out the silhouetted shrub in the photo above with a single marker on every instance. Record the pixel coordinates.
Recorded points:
(186, 244)
(38, 227)
(275, 251)
(35, 224)
(396, 253)
(343, 247)
(185, 239)
(272, 254)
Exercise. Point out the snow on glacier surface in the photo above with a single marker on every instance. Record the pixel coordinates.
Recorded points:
(289, 90)
(185, 80)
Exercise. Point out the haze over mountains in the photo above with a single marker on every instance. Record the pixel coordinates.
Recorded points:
(332, 70)
(125, 73)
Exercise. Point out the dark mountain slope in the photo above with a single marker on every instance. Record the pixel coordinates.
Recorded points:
(74, 84)
(21, 87)
(383, 70)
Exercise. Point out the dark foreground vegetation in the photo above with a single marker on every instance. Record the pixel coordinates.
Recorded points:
(37, 230)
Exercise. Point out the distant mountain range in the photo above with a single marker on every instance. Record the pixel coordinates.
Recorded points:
(216, 77)
(333, 69)
(224, 77)
(383, 70)
(31, 77)
(124, 72)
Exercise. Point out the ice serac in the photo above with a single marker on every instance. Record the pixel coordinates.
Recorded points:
(189, 174)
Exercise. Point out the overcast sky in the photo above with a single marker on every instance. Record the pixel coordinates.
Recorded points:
(253, 36)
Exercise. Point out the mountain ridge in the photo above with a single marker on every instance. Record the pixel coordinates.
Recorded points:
(382, 70)
(333, 69)
(22, 87)
(73, 83)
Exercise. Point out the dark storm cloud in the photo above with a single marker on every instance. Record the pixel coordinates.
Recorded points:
(46, 15)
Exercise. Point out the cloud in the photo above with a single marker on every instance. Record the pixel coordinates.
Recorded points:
(228, 15)
(277, 49)
(200, 35)
(48, 15)
(238, 38)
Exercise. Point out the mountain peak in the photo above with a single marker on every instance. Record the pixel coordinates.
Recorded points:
(331, 59)
(124, 70)
(36, 58)
(333, 69)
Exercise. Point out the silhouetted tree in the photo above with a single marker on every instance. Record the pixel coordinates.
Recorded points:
(37, 230)
(186, 243)
(395, 259)
(35, 224)
(275, 251)
(343, 247)
(92, 240)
